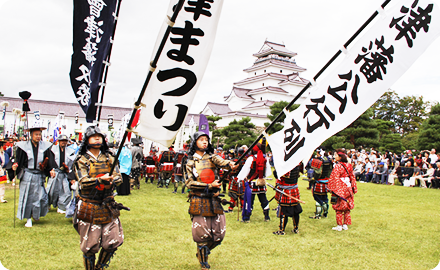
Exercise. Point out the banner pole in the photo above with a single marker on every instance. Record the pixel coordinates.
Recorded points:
(153, 66)
(314, 78)
(107, 63)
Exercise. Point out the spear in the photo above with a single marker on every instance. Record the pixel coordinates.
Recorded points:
(285, 194)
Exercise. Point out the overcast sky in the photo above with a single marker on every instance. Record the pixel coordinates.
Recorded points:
(36, 45)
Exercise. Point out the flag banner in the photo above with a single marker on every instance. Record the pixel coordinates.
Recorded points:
(378, 59)
(4, 114)
(37, 121)
(93, 23)
(203, 124)
(180, 69)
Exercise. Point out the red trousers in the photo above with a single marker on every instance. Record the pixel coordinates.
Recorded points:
(343, 217)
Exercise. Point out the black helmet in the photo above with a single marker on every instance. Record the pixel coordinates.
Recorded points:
(62, 137)
(90, 131)
(193, 145)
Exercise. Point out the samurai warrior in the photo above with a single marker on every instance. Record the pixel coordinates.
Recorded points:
(254, 171)
(322, 169)
(236, 189)
(96, 217)
(60, 163)
(288, 207)
(179, 164)
(166, 163)
(31, 162)
(209, 223)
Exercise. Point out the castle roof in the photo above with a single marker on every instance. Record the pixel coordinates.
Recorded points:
(259, 104)
(240, 92)
(267, 89)
(292, 78)
(70, 109)
(270, 61)
(218, 108)
(274, 48)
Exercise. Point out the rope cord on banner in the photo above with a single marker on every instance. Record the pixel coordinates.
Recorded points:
(153, 66)
(107, 64)
(264, 133)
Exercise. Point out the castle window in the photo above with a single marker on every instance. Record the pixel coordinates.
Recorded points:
(261, 98)
(264, 71)
(255, 73)
(263, 84)
(281, 71)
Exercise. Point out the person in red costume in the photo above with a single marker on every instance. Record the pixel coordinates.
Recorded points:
(342, 184)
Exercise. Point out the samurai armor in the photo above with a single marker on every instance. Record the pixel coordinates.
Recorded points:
(205, 206)
(96, 213)
(166, 167)
(151, 169)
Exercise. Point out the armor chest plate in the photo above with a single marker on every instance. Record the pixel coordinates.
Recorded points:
(206, 170)
(99, 168)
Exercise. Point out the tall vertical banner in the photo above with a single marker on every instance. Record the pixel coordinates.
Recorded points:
(371, 66)
(180, 69)
(93, 23)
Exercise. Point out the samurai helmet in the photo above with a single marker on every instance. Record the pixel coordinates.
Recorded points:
(90, 131)
(193, 145)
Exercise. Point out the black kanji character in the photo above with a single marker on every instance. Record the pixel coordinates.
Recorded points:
(322, 120)
(181, 114)
(343, 87)
(199, 7)
(185, 41)
(294, 145)
(189, 76)
(416, 21)
(373, 67)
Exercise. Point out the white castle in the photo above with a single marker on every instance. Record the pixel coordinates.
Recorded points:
(273, 77)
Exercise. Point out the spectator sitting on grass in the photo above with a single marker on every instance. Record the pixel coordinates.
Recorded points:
(407, 172)
(368, 170)
(436, 179)
(397, 172)
(380, 173)
(425, 177)
(359, 171)
(417, 172)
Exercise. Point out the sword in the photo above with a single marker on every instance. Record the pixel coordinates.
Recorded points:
(282, 192)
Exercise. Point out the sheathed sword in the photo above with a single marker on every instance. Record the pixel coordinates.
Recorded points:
(282, 192)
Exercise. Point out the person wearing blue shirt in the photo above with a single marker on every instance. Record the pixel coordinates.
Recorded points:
(125, 162)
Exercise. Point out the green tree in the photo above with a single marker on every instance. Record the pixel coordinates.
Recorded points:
(409, 140)
(386, 106)
(361, 133)
(275, 109)
(429, 135)
(216, 132)
(239, 133)
(392, 142)
(410, 114)
(406, 113)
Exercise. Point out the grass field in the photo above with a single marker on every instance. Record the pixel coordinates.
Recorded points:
(393, 227)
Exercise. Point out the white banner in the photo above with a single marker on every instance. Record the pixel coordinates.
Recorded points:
(180, 69)
(377, 60)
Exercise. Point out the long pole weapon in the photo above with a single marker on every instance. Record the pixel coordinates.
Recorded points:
(107, 64)
(15, 192)
(280, 115)
(153, 65)
(285, 194)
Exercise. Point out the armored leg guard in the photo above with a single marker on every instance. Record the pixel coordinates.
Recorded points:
(183, 188)
(151, 179)
(283, 223)
(202, 254)
(318, 212)
(266, 215)
(89, 261)
(104, 258)
(325, 209)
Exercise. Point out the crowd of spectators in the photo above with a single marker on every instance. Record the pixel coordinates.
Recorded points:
(408, 169)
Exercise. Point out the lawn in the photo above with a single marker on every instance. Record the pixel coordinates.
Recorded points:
(393, 227)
